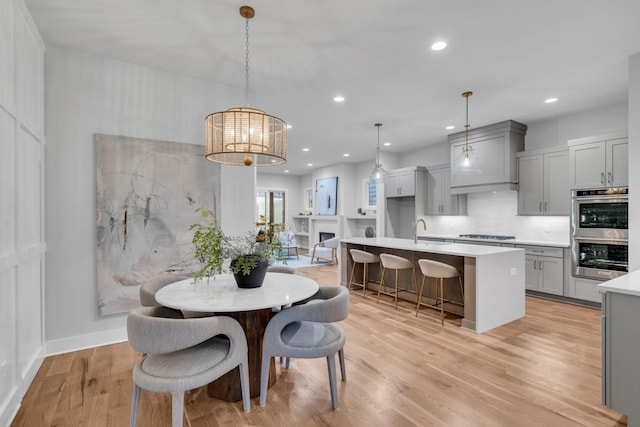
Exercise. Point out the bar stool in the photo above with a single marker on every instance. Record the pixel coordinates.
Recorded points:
(394, 262)
(365, 258)
(439, 271)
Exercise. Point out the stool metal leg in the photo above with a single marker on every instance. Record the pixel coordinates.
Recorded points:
(381, 285)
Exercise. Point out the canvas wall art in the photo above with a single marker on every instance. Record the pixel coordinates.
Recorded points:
(326, 196)
(146, 195)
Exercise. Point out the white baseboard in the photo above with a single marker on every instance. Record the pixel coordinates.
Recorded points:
(9, 411)
(81, 342)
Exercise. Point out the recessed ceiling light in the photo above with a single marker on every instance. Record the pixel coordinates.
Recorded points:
(286, 171)
(288, 126)
(339, 98)
(450, 127)
(551, 100)
(345, 155)
(438, 45)
(305, 149)
(386, 144)
(309, 164)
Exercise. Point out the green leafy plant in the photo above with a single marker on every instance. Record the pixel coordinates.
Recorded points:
(214, 248)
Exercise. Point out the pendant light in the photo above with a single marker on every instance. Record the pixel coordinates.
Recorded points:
(378, 174)
(246, 136)
(467, 161)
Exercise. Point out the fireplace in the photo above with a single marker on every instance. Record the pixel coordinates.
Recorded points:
(324, 235)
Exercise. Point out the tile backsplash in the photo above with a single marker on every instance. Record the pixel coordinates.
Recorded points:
(497, 213)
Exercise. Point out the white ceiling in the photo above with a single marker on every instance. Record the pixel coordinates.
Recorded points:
(376, 53)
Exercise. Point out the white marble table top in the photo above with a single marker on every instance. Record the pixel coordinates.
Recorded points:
(222, 295)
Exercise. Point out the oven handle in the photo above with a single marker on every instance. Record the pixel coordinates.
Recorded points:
(602, 199)
(601, 240)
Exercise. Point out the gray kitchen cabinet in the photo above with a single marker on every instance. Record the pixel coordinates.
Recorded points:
(621, 353)
(405, 201)
(543, 182)
(440, 201)
(544, 269)
(599, 161)
(405, 182)
(585, 289)
(496, 146)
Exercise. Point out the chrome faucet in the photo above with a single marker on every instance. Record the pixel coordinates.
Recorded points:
(415, 229)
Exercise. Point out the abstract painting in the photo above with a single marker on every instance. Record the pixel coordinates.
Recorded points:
(146, 195)
(326, 196)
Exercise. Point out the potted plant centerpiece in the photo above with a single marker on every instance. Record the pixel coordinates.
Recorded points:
(246, 256)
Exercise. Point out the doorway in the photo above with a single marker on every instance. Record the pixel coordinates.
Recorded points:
(270, 210)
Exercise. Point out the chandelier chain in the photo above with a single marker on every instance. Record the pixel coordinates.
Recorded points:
(246, 67)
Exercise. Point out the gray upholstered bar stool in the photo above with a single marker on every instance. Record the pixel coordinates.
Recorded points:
(439, 271)
(394, 262)
(364, 258)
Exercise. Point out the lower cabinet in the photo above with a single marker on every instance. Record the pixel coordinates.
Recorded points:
(544, 269)
(585, 289)
(620, 354)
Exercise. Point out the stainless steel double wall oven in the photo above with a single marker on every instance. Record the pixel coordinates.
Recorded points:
(599, 233)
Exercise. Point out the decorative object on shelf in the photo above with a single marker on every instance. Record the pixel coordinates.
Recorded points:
(378, 174)
(368, 232)
(246, 136)
(326, 196)
(467, 161)
(243, 254)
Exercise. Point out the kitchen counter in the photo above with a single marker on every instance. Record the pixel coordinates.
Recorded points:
(494, 276)
(516, 241)
(629, 284)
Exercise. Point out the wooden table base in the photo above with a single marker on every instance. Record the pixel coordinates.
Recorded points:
(227, 387)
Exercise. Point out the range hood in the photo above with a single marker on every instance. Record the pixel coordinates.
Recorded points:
(496, 146)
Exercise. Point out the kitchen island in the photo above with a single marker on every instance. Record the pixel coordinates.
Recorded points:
(494, 277)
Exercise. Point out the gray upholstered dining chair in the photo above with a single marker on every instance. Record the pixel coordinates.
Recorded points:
(287, 269)
(183, 354)
(149, 288)
(306, 331)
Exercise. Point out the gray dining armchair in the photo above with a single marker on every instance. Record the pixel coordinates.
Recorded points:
(149, 288)
(306, 331)
(184, 354)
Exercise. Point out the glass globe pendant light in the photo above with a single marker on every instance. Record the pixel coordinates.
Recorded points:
(467, 161)
(378, 174)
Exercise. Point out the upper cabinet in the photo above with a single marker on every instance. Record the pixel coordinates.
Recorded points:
(496, 147)
(440, 201)
(405, 182)
(543, 182)
(599, 161)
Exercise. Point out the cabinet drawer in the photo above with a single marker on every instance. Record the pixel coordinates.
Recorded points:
(542, 251)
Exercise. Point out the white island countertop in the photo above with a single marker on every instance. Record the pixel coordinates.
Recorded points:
(457, 249)
(628, 284)
(516, 241)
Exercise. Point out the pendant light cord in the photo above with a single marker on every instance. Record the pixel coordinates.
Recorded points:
(246, 67)
(378, 149)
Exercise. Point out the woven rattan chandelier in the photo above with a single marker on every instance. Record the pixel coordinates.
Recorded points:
(246, 136)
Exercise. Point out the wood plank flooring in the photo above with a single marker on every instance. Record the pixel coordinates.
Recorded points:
(542, 370)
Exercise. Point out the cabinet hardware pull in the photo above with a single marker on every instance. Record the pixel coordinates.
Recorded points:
(540, 265)
(610, 176)
(534, 264)
(540, 207)
(602, 178)
(545, 206)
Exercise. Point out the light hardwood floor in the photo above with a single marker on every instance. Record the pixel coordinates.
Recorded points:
(542, 370)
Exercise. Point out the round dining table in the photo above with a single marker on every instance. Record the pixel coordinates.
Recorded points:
(252, 308)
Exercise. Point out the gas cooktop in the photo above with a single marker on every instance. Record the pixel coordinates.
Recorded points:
(487, 236)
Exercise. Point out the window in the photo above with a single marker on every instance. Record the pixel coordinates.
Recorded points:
(369, 194)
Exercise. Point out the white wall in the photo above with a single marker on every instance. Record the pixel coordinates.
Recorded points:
(85, 95)
(22, 247)
(634, 157)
